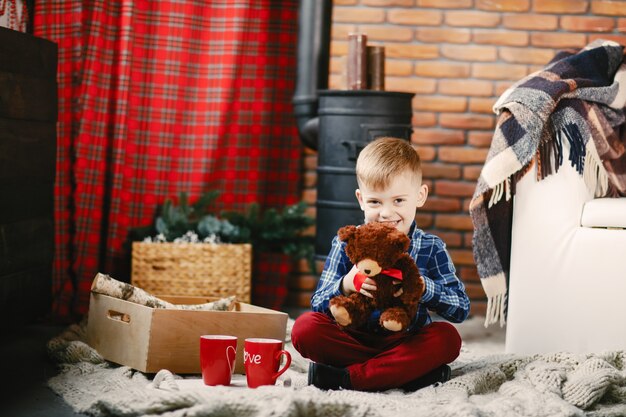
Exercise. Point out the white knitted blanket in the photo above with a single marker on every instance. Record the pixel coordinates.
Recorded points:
(559, 384)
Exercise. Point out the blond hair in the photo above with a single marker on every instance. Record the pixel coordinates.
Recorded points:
(385, 158)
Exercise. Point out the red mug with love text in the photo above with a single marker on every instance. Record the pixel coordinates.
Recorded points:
(217, 358)
(261, 358)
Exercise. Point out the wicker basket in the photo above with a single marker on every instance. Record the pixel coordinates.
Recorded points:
(194, 269)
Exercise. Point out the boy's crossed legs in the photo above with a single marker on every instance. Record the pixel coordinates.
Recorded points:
(376, 362)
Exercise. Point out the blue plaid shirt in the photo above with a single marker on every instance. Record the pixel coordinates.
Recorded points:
(444, 292)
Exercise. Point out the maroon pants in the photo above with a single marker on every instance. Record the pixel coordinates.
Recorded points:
(375, 361)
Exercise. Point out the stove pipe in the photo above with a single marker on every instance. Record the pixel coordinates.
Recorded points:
(314, 23)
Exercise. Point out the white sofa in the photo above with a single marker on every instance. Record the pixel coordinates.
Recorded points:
(567, 286)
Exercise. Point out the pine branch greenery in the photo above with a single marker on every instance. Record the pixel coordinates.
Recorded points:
(269, 230)
(176, 220)
(275, 230)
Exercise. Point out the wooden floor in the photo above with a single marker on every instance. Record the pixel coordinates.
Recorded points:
(25, 368)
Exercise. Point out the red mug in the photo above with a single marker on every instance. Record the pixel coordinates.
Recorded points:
(217, 358)
(261, 358)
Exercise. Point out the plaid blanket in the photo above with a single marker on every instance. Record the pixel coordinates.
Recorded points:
(579, 95)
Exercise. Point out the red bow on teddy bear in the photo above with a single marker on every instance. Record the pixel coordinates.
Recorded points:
(360, 278)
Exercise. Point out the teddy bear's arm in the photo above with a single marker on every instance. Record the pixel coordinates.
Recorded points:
(412, 283)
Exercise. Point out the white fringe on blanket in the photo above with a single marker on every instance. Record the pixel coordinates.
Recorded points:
(495, 289)
(594, 174)
(502, 189)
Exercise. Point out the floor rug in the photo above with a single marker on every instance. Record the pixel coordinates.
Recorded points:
(482, 384)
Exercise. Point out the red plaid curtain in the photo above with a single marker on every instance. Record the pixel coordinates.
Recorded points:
(158, 97)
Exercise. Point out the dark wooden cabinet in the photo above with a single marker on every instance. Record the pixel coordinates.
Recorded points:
(28, 116)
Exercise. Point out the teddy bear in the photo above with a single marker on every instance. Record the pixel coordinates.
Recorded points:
(380, 253)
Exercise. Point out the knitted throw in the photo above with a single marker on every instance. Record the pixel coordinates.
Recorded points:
(482, 384)
(579, 96)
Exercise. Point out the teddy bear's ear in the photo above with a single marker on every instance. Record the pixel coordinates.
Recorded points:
(346, 233)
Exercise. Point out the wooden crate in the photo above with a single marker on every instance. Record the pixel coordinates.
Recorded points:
(193, 269)
(149, 339)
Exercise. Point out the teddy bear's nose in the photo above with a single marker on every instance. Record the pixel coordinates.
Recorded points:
(367, 271)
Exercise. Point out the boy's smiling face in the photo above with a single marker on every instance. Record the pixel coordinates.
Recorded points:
(395, 204)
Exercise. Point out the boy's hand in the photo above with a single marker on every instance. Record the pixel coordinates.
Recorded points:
(348, 286)
(368, 286)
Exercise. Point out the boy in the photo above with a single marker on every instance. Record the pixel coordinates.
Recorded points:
(373, 359)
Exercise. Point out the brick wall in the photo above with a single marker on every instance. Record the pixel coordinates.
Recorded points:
(457, 56)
